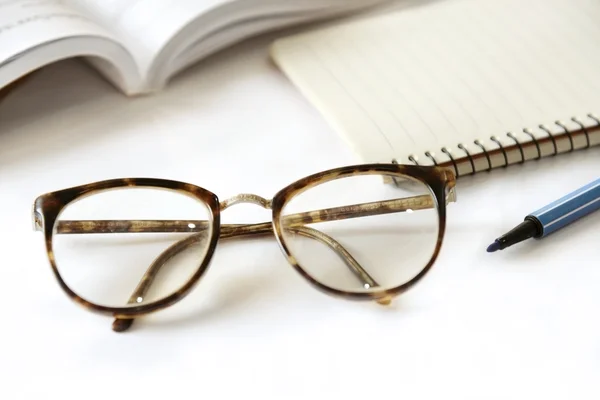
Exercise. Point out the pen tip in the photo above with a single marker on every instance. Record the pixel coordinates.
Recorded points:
(493, 247)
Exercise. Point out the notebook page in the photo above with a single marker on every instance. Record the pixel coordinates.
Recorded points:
(441, 73)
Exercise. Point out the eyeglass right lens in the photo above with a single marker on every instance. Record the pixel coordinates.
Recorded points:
(130, 247)
(357, 234)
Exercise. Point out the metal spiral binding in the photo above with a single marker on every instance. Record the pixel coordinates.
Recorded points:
(583, 128)
(487, 155)
(431, 157)
(413, 159)
(447, 152)
(596, 119)
(510, 135)
(537, 144)
(463, 148)
(559, 123)
(545, 129)
(495, 140)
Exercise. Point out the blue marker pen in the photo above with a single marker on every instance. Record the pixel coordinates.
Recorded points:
(552, 217)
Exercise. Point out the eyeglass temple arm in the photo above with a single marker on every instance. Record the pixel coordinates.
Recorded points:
(186, 226)
(360, 210)
(229, 231)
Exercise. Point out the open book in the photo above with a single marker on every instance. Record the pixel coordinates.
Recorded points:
(139, 44)
(469, 84)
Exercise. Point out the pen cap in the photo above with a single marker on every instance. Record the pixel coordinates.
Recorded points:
(569, 208)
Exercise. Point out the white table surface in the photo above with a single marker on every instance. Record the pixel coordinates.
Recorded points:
(518, 324)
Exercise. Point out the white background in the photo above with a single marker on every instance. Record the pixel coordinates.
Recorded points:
(518, 324)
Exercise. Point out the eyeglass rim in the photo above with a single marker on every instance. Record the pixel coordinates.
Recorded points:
(439, 180)
(48, 207)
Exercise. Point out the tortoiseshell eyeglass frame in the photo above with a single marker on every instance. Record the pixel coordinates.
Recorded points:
(48, 207)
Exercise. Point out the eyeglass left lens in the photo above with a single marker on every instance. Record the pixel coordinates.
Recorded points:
(133, 246)
(359, 235)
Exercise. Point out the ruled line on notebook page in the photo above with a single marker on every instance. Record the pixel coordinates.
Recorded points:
(450, 71)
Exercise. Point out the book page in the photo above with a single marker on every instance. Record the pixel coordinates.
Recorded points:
(29, 25)
(25, 24)
(167, 36)
(145, 26)
(437, 74)
(260, 16)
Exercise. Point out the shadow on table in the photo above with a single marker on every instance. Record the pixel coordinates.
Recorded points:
(68, 103)
(250, 288)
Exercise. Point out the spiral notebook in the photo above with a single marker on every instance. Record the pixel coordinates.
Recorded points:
(469, 84)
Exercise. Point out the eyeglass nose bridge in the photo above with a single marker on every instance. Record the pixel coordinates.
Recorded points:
(246, 198)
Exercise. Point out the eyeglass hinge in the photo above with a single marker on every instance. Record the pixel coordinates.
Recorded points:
(450, 195)
(38, 222)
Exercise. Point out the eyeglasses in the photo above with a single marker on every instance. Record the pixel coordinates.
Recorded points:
(129, 247)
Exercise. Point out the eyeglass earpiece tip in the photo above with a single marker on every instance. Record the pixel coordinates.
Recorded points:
(386, 301)
(122, 324)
